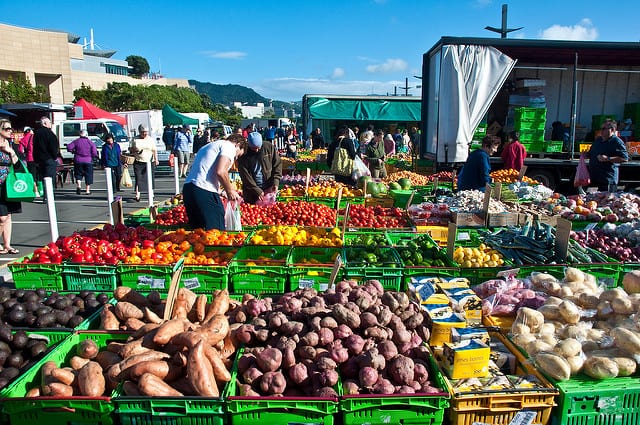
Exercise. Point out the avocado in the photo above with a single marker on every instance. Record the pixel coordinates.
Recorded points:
(46, 320)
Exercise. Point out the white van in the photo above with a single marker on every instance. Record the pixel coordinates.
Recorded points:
(223, 129)
(69, 130)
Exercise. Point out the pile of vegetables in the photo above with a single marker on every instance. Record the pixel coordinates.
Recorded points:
(619, 248)
(415, 178)
(297, 235)
(510, 176)
(470, 201)
(581, 327)
(371, 339)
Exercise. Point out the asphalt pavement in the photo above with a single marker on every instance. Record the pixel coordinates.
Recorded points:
(32, 227)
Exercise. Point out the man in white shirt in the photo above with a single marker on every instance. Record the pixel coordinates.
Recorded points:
(209, 174)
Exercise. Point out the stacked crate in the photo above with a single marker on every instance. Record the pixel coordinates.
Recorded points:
(530, 123)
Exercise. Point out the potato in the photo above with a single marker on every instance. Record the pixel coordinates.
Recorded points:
(600, 367)
(87, 349)
(553, 365)
(538, 346)
(530, 317)
(519, 328)
(627, 340)
(569, 312)
(572, 274)
(90, 380)
(569, 347)
(575, 363)
(550, 312)
(622, 305)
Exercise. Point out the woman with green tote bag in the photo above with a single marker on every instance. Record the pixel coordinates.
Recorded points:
(8, 158)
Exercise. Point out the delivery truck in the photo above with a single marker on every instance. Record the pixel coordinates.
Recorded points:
(477, 86)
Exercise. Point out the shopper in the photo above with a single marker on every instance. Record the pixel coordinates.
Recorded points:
(84, 152)
(475, 173)
(8, 157)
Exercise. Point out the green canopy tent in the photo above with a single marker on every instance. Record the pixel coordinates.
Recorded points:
(172, 117)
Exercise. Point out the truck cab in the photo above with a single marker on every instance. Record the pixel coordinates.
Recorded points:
(69, 130)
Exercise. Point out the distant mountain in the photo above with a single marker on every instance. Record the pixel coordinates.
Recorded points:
(229, 93)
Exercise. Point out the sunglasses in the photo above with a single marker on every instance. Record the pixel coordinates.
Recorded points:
(7, 128)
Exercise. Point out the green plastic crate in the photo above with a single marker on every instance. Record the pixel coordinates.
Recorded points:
(530, 113)
(554, 146)
(205, 279)
(533, 146)
(168, 410)
(598, 120)
(249, 274)
(311, 275)
(375, 409)
(530, 124)
(366, 238)
(401, 197)
(35, 276)
(58, 410)
(331, 202)
(585, 401)
(88, 277)
(145, 277)
(389, 273)
(244, 410)
(529, 136)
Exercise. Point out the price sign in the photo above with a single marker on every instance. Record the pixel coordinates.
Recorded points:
(144, 280)
(334, 272)
(158, 283)
(523, 170)
(305, 283)
(307, 181)
(191, 283)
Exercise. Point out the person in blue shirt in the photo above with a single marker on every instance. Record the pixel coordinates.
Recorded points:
(110, 157)
(181, 143)
(475, 172)
(605, 155)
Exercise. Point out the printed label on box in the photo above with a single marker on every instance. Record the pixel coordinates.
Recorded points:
(191, 283)
(305, 283)
(144, 280)
(158, 284)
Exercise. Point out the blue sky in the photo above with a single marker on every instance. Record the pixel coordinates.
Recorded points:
(284, 49)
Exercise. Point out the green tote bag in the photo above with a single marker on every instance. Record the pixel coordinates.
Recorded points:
(20, 185)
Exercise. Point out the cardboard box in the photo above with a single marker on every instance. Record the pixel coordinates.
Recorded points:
(463, 334)
(442, 320)
(502, 219)
(466, 359)
(464, 219)
(466, 301)
(494, 128)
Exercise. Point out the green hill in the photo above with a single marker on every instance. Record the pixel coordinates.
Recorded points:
(229, 93)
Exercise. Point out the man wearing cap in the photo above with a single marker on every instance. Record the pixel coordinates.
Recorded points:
(260, 169)
(183, 140)
(207, 177)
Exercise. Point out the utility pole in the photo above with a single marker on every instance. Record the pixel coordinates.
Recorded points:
(406, 87)
(503, 30)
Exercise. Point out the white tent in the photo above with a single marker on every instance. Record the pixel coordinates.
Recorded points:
(470, 78)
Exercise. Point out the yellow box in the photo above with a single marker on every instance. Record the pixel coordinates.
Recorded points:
(584, 147)
(466, 359)
(455, 282)
(442, 320)
(426, 291)
(466, 301)
(463, 334)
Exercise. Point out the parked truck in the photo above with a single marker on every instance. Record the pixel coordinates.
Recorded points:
(473, 86)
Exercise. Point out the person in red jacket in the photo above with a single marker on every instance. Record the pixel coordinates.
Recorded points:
(514, 152)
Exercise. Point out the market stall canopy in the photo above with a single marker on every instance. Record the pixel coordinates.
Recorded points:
(172, 117)
(358, 109)
(91, 111)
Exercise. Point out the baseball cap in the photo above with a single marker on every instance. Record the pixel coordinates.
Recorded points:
(27, 128)
(255, 139)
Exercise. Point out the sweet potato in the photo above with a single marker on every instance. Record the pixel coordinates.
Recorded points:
(152, 386)
(200, 372)
(63, 375)
(133, 324)
(368, 376)
(220, 371)
(168, 329)
(151, 317)
(124, 293)
(187, 339)
(125, 310)
(106, 359)
(345, 316)
(91, 381)
(219, 305)
(269, 359)
(200, 307)
(128, 362)
(288, 358)
(33, 392)
(180, 310)
(215, 329)
(77, 362)
(163, 369)
(401, 370)
(57, 389)
(273, 383)
(387, 349)
(131, 389)
(87, 349)
(350, 387)
(108, 320)
(45, 372)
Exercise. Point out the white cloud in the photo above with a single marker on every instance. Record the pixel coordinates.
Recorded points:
(225, 55)
(390, 65)
(337, 73)
(582, 31)
(292, 89)
(482, 3)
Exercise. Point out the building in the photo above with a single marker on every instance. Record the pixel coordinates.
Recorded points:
(55, 60)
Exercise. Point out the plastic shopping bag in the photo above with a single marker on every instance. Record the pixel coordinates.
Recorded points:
(267, 200)
(232, 217)
(359, 169)
(582, 173)
(125, 180)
